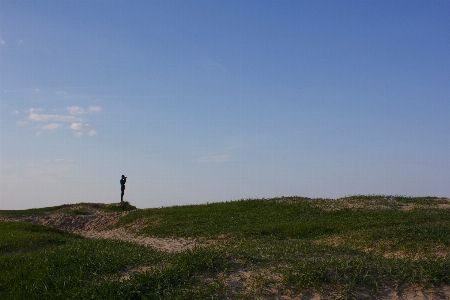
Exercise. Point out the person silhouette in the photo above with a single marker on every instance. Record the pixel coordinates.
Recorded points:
(122, 186)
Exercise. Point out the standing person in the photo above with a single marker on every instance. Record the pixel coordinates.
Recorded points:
(122, 186)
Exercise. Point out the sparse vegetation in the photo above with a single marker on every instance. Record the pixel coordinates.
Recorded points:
(121, 206)
(358, 246)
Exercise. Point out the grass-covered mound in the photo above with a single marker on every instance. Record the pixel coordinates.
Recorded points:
(359, 246)
(74, 209)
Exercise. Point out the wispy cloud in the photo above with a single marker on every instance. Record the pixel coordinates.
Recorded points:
(49, 118)
(76, 110)
(53, 121)
(235, 146)
(51, 126)
(96, 109)
(222, 154)
(2, 41)
(59, 160)
(80, 128)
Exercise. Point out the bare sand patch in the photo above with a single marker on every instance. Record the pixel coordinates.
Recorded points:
(376, 204)
(383, 247)
(126, 274)
(255, 281)
(340, 204)
(414, 293)
(260, 283)
(96, 224)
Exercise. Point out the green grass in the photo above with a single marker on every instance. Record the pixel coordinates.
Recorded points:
(281, 217)
(18, 237)
(74, 209)
(56, 265)
(33, 211)
(340, 248)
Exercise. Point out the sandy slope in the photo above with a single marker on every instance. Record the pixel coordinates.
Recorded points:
(96, 224)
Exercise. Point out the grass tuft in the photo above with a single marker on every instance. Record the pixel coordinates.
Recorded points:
(119, 207)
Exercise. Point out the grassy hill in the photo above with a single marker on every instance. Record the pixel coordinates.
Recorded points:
(367, 247)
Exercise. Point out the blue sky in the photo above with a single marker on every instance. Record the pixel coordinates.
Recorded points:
(206, 101)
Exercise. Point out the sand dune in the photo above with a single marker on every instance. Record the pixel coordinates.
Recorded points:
(97, 224)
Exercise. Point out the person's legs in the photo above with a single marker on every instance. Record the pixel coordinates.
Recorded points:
(121, 196)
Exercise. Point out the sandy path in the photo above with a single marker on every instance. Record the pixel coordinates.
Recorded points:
(96, 224)
(165, 244)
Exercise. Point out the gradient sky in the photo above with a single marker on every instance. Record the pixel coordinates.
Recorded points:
(207, 101)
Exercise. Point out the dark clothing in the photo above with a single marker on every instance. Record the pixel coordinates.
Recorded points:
(122, 187)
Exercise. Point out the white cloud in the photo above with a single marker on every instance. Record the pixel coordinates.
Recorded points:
(37, 90)
(79, 126)
(214, 158)
(95, 109)
(51, 126)
(2, 42)
(48, 118)
(76, 110)
(53, 121)
(32, 110)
